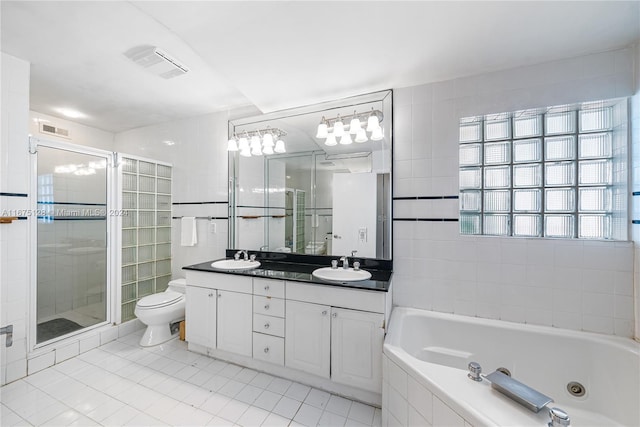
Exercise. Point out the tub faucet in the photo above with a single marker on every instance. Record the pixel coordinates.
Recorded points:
(559, 418)
(345, 262)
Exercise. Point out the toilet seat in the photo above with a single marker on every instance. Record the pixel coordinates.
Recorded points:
(161, 299)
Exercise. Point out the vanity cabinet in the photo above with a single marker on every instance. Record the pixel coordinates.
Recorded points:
(356, 348)
(234, 322)
(200, 316)
(308, 343)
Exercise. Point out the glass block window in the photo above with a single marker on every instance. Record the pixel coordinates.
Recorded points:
(556, 172)
(146, 231)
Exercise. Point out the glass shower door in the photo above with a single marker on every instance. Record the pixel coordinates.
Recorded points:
(72, 255)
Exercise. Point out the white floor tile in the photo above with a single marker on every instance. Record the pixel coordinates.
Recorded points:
(361, 413)
(83, 421)
(279, 385)
(339, 405)
(317, 398)
(214, 404)
(121, 384)
(233, 410)
(308, 415)
(377, 418)
(275, 420)
(267, 400)
(252, 417)
(262, 380)
(248, 394)
(287, 407)
(329, 419)
(231, 388)
(298, 391)
(354, 423)
(246, 375)
(230, 371)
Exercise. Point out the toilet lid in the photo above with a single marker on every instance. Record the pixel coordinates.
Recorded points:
(160, 299)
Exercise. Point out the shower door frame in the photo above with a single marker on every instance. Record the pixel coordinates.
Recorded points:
(111, 240)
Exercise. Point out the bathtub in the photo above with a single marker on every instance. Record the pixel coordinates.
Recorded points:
(425, 380)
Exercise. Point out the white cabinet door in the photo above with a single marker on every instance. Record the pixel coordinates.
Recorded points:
(356, 348)
(235, 325)
(200, 316)
(307, 337)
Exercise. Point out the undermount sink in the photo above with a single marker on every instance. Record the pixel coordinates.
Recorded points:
(341, 275)
(232, 264)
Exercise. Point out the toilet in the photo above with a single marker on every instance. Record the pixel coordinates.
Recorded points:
(315, 248)
(159, 311)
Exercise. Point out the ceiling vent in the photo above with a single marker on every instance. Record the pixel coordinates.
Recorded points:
(156, 61)
(56, 131)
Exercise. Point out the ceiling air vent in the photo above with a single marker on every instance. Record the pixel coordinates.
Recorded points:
(156, 61)
(52, 130)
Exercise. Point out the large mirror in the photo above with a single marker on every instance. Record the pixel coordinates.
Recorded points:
(314, 180)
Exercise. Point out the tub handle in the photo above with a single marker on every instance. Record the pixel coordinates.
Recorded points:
(474, 371)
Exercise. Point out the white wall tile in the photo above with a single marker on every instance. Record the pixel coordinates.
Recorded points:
(40, 362)
(514, 278)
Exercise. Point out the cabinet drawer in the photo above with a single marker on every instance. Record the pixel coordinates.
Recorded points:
(268, 325)
(268, 348)
(268, 288)
(268, 306)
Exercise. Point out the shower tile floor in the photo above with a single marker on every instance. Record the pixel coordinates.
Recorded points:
(122, 384)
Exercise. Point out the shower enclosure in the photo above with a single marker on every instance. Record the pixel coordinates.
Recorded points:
(73, 225)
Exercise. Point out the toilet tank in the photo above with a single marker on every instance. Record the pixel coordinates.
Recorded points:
(178, 285)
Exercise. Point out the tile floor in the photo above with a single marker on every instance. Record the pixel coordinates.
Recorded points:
(122, 384)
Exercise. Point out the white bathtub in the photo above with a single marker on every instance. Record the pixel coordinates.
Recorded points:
(425, 372)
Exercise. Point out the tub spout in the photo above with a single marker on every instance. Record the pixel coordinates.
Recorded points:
(474, 371)
(559, 418)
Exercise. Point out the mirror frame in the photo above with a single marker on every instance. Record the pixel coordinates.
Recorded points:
(324, 108)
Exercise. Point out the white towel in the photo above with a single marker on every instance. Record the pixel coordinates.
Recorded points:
(189, 233)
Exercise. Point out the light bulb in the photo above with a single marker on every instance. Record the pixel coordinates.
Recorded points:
(267, 140)
(267, 149)
(243, 144)
(346, 139)
(323, 129)
(331, 140)
(377, 135)
(361, 136)
(256, 151)
(372, 122)
(255, 143)
(338, 127)
(280, 146)
(246, 152)
(354, 125)
(232, 145)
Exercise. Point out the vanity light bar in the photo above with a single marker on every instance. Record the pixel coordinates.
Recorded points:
(357, 124)
(258, 142)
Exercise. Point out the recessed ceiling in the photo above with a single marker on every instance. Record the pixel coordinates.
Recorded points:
(276, 55)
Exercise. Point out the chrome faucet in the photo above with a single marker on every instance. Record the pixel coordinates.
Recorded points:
(242, 252)
(559, 418)
(345, 262)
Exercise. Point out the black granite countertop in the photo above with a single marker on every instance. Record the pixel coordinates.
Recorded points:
(301, 272)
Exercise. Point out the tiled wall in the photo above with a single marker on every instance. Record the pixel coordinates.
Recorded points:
(14, 179)
(635, 186)
(196, 147)
(582, 285)
(406, 402)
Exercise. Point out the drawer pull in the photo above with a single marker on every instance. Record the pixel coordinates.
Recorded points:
(266, 325)
(219, 295)
(334, 315)
(266, 350)
(266, 288)
(324, 313)
(266, 306)
(211, 294)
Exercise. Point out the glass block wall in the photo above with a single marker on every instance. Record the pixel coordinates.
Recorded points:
(146, 231)
(555, 172)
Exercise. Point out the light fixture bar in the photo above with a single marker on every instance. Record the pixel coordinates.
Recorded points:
(361, 116)
(276, 132)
